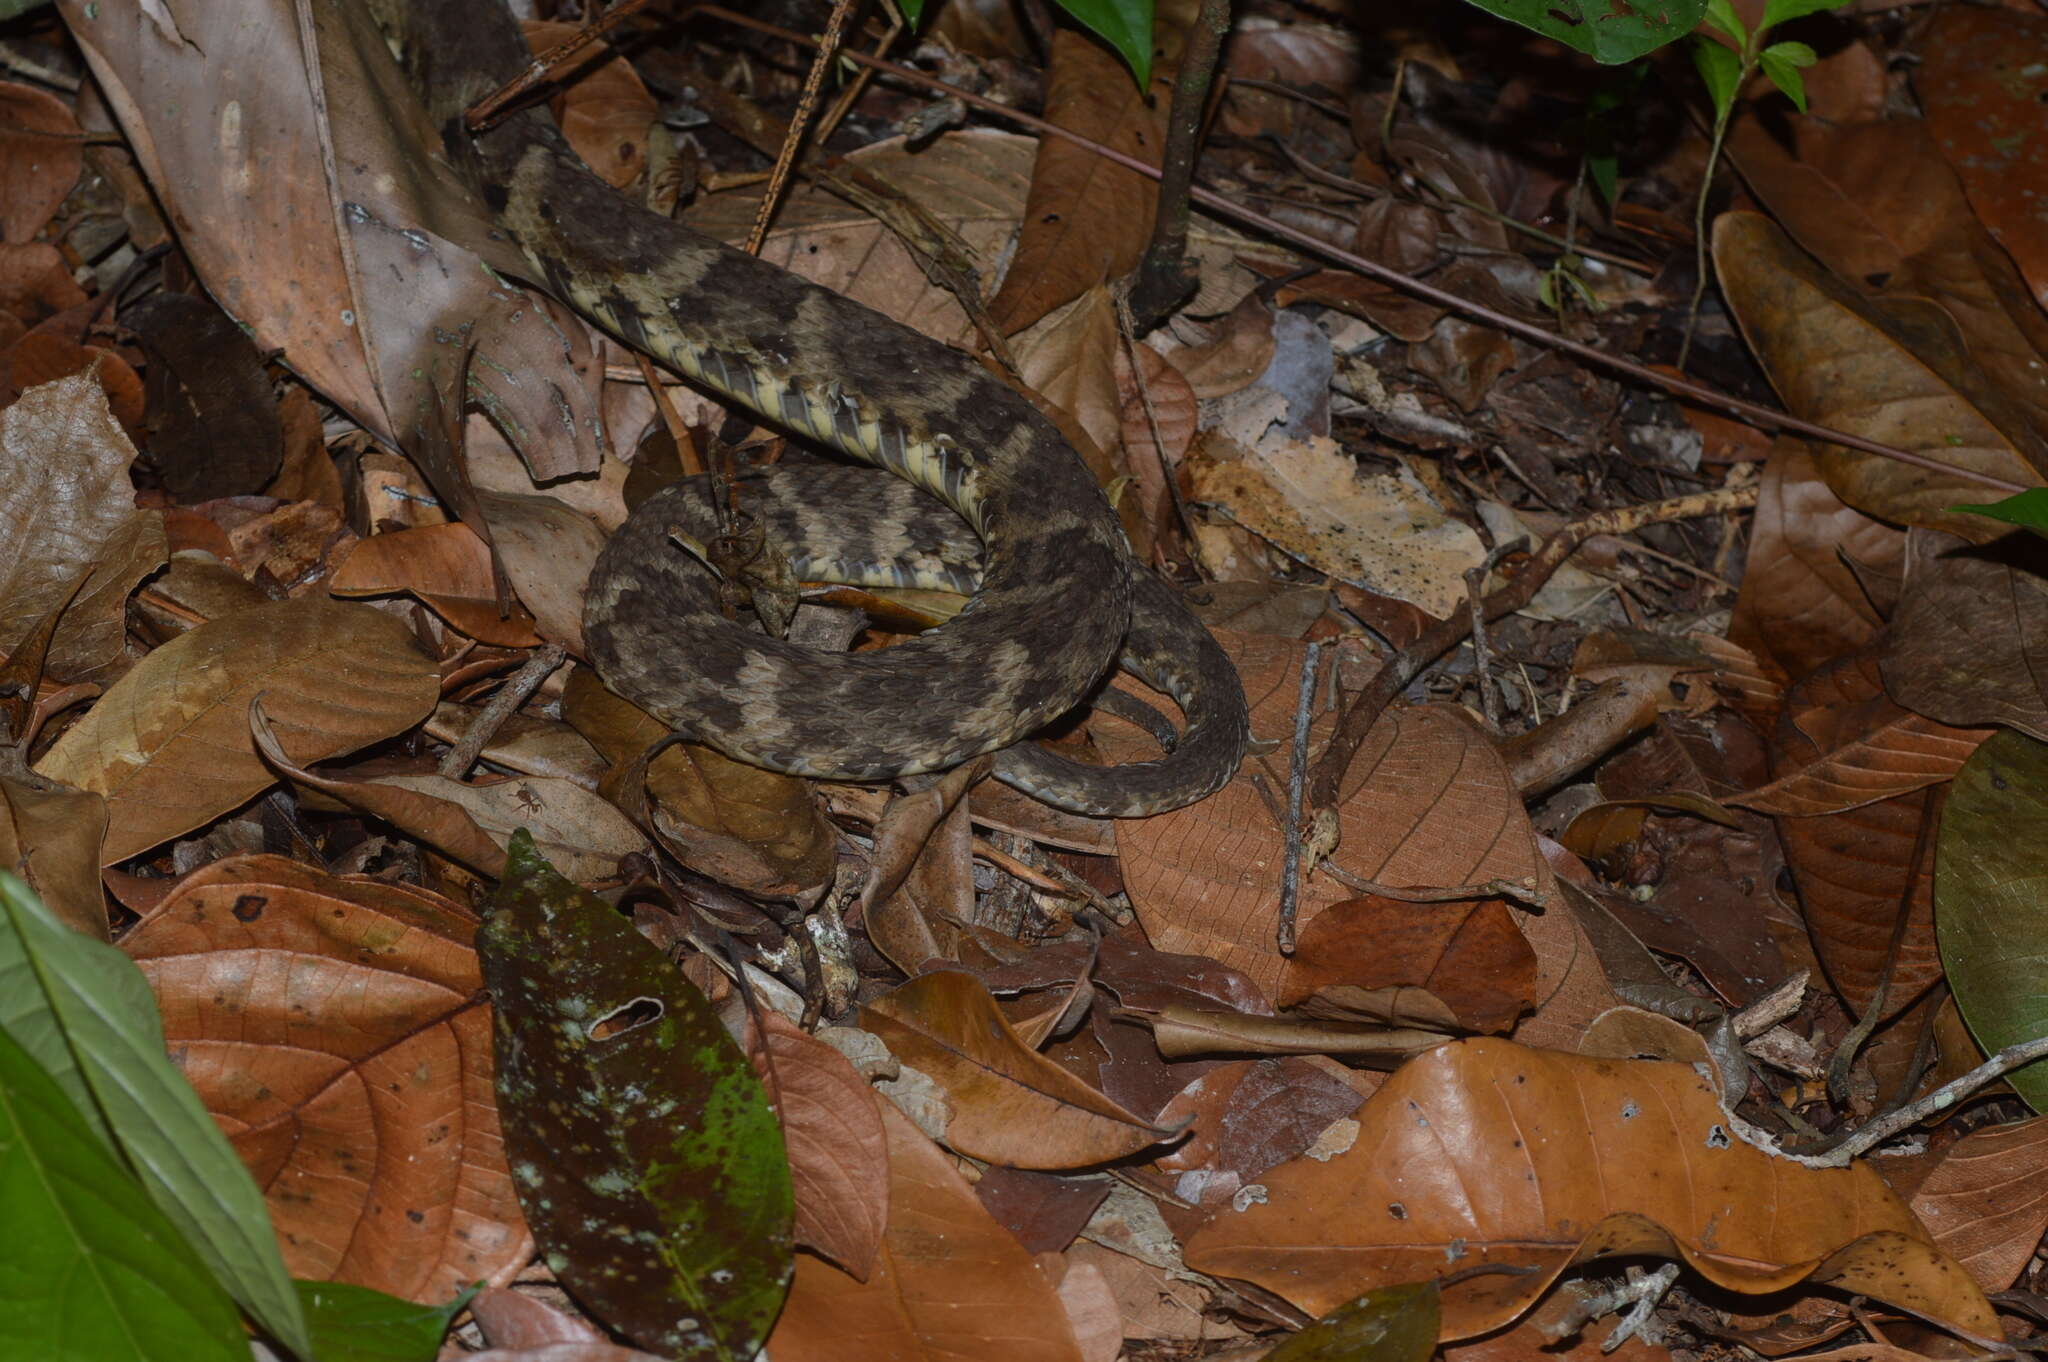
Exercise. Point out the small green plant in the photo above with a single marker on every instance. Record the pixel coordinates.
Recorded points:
(1724, 70)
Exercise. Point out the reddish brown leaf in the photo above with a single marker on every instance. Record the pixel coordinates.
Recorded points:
(41, 153)
(1248, 1117)
(446, 566)
(333, 1026)
(1487, 1152)
(838, 1150)
(1011, 1105)
(605, 113)
(1459, 966)
(947, 1279)
(1986, 1201)
(1843, 743)
(1969, 644)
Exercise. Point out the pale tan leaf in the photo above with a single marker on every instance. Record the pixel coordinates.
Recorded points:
(169, 745)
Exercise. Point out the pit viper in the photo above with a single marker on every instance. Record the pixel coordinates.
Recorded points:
(977, 471)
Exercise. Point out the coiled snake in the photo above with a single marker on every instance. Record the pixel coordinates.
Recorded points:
(1059, 599)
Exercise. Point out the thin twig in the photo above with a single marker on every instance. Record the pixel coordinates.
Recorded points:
(501, 706)
(1372, 269)
(800, 121)
(1365, 707)
(1297, 781)
(1165, 278)
(1127, 329)
(1876, 1131)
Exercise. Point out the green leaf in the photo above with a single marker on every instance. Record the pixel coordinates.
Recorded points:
(358, 1324)
(90, 1269)
(1125, 25)
(14, 9)
(1606, 32)
(1991, 899)
(85, 1012)
(913, 10)
(646, 1155)
(1391, 1324)
(1721, 70)
(1721, 14)
(1785, 11)
(1605, 173)
(1781, 62)
(2028, 509)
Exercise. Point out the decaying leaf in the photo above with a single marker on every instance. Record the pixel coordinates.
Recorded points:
(1011, 1105)
(169, 744)
(647, 1157)
(1485, 1151)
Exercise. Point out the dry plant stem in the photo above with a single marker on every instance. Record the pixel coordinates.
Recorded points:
(1165, 279)
(515, 692)
(1482, 652)
(1127, 329)
(1297, 779)
(1372, 269)
(1365, 708)
(1881, 1128)
(671, 420)
(800, 121)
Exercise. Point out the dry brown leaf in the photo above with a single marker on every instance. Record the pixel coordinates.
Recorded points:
(605, 113)
(1011, 1105)
(309, 205)
(51, 839)
(1967, 643)
(1087, 220)
(1899, 374)
(756, 830)
(1843, 743)
(521, 1328)
(1853, 870)
(448, 567)
(1813, 565)
(1427, 802)
(547, 549)
(525, 743)
(1488, 1152)
(1193, 1033)
(947, 1283)
(1986, 1201)
(1249, 1116)
(169, 745)
(1457, 966)
(1070, 361)
(35, 283)
(838, 1150)
(1381, 531)
(335, 1029)
(69, 511)
(41, 153)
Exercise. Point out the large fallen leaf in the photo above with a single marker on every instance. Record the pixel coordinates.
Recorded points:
(1854, 869)
(1898, 373)
(646, 1154)
(948, 1283)
(69, 526)
(448, 567)
(1457, 966)
(1991, 899)
(51, 837)
(334, 1029)
(756, 830)
(1986, 1201)
(1485, 1151)
(169, 744)
(1011, 1105)
(317, 208)
(838, 1151)
(1427, 802)
(41, 153)
(1842, 742)
(94, 1271)
(1806, 583)
(1970, 640)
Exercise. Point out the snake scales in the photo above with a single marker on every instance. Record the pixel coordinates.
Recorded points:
(1059, 599)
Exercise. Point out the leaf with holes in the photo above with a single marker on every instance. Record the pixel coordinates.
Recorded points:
(648, 1160)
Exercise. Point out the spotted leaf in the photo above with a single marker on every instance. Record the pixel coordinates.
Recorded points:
(646, 1156)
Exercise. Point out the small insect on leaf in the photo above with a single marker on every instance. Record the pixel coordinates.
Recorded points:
(647, 1158)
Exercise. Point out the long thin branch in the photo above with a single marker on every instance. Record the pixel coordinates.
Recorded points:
(1372, 269)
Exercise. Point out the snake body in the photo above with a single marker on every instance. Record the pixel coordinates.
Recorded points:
(1059, 599)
